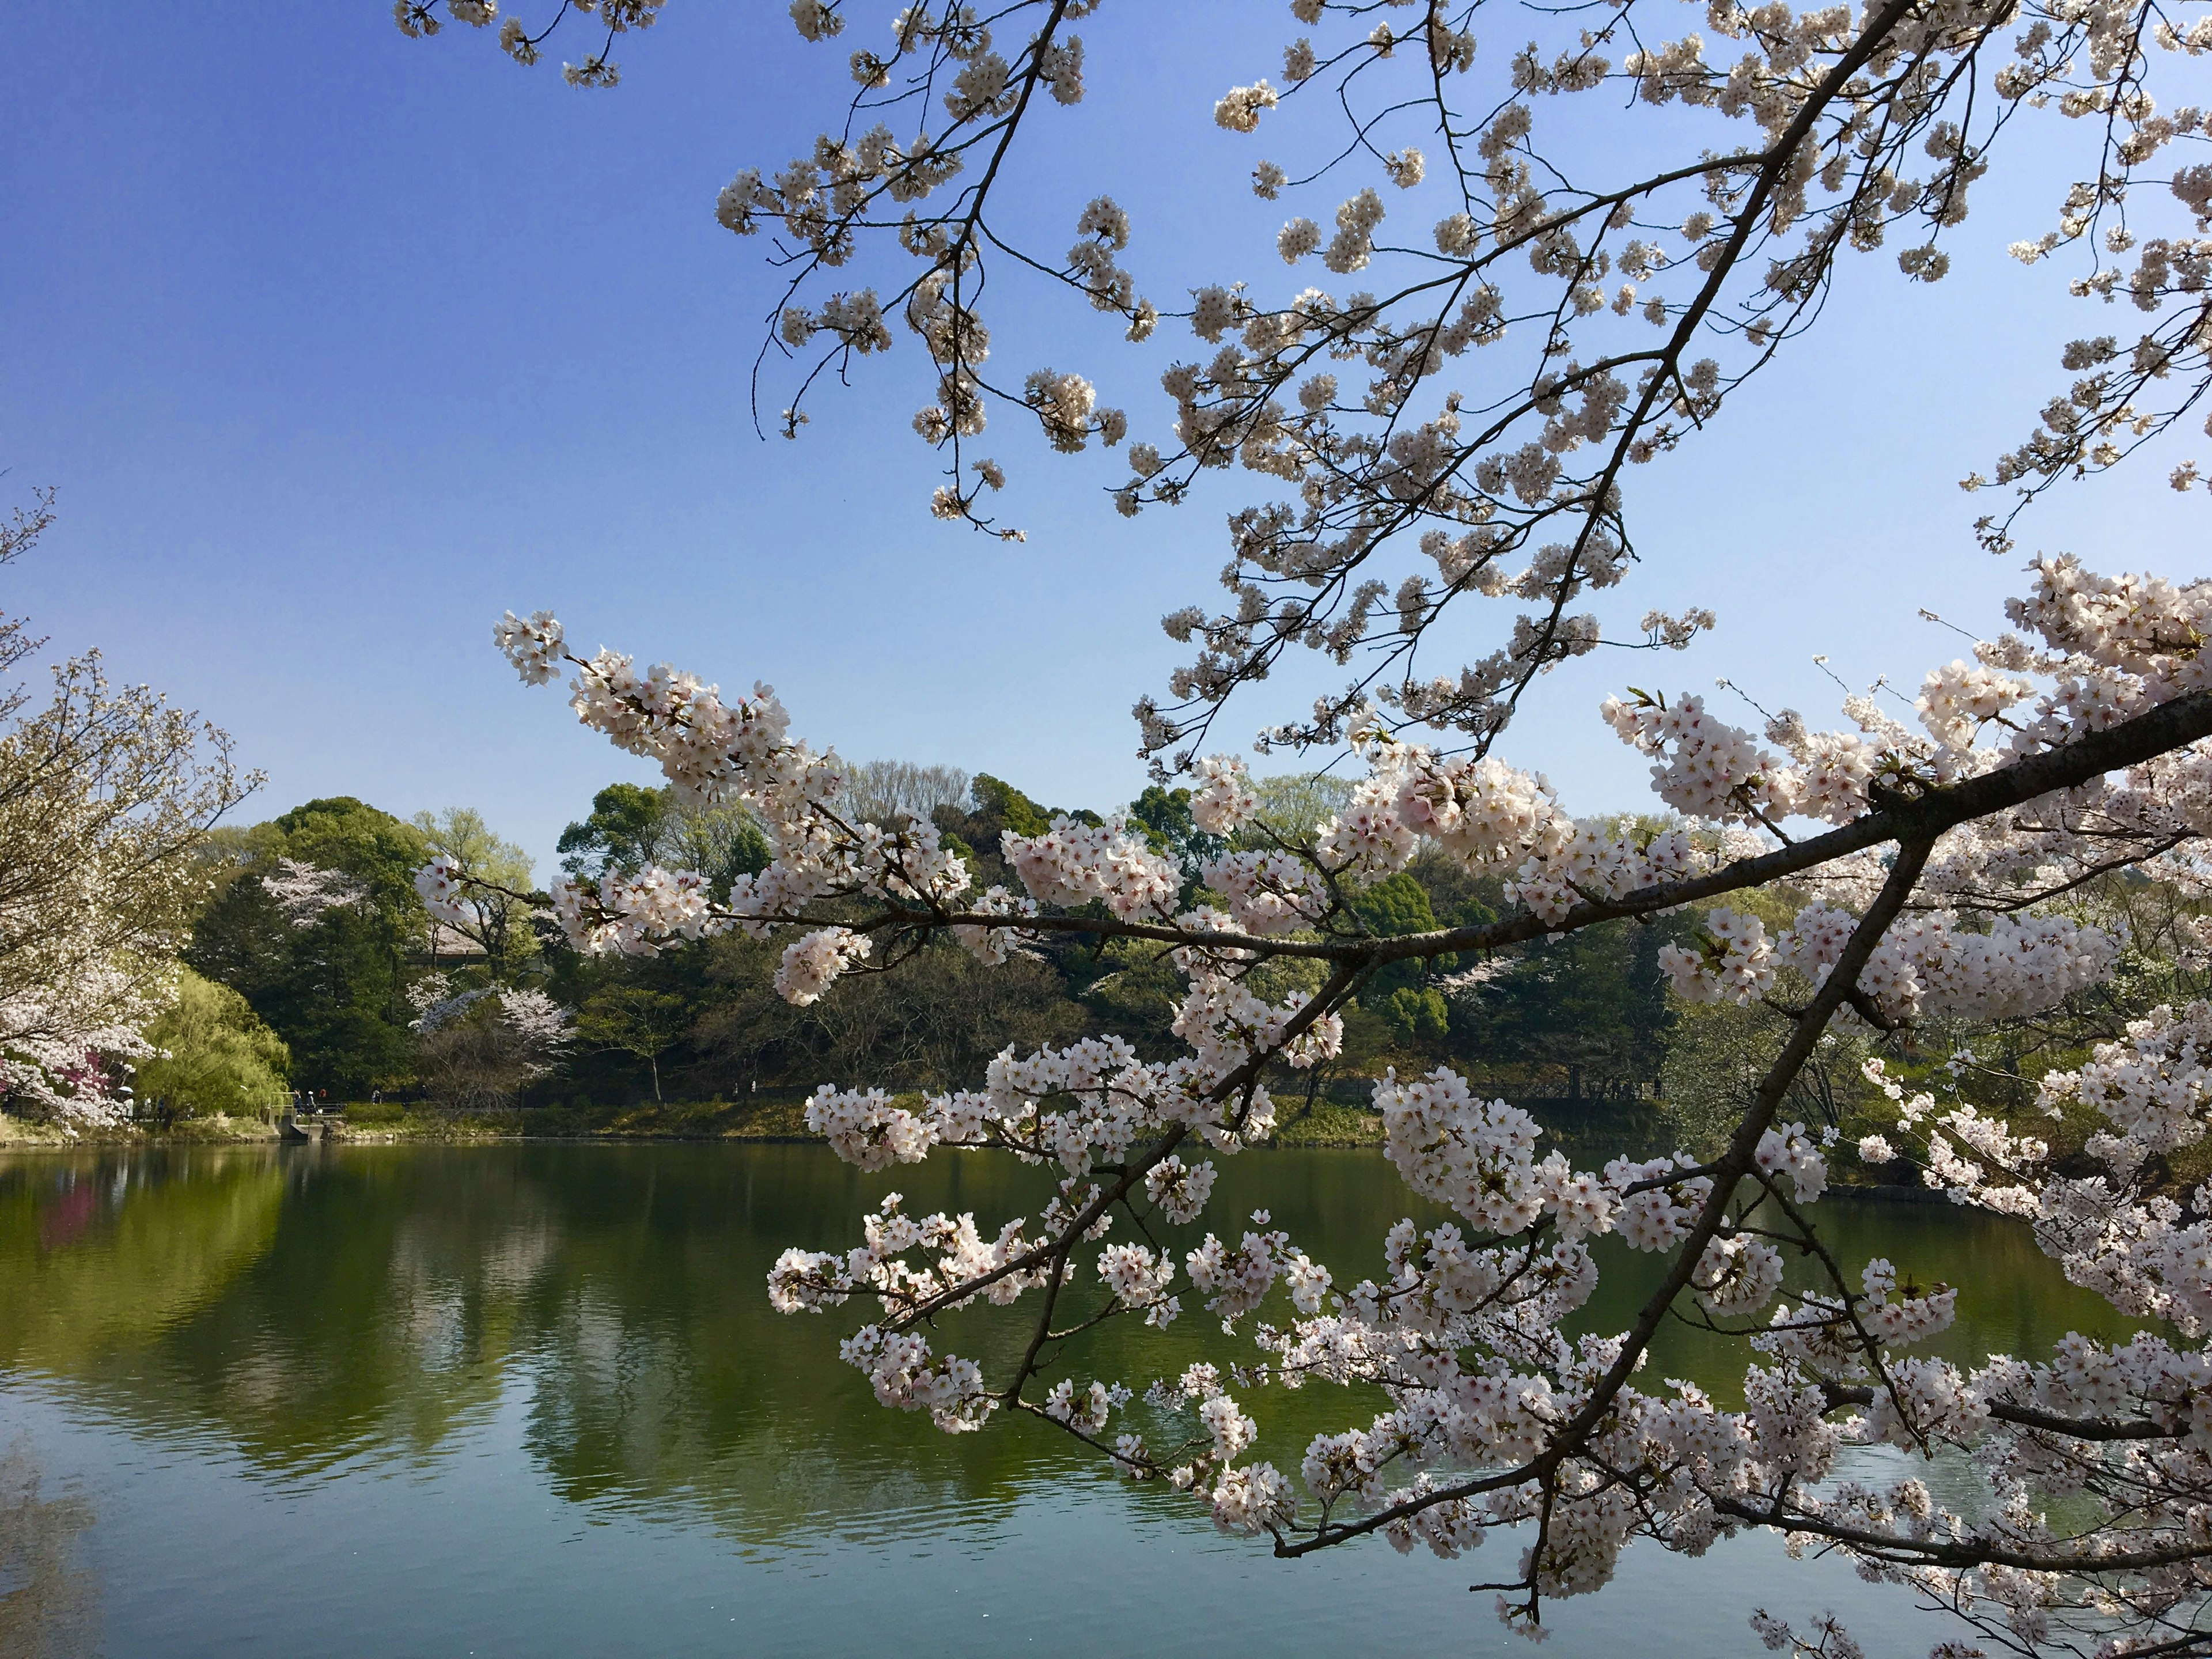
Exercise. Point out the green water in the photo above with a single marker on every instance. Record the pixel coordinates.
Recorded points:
(531, 1401)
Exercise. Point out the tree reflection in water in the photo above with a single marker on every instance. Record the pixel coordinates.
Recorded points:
(308, 1307)
(49, 1599)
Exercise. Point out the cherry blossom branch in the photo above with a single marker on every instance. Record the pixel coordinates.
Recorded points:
(1733, 1166)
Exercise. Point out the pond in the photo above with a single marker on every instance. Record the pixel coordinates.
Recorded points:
(530, 1400)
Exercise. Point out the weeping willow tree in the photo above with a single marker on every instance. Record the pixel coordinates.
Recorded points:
(212, 1054)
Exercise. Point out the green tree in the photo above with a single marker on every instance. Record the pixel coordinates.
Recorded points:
(1580, 1013)
(495, 910)
(342, 834)
(1718, 1053)
(997, 799)
(635, 1019)
(884, 791)
(935, 1025)
(330, 977)
(620, 835)
(1293, 805)
(1418, 1013)
(722, 843)
(630, 826)
(1164, 817)
(1137, 995)
(1399, 904)
(215, 1055)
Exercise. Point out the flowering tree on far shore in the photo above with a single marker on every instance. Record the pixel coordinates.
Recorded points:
(106, 793)
(1612, 294)
(482, 1046)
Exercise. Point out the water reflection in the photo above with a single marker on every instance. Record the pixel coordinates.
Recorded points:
(313, 1306)
(590, 1323)
(49, 1599)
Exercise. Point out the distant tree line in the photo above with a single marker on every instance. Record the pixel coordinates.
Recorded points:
(315, 935)
(311, 965)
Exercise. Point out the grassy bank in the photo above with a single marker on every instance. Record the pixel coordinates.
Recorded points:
(20, 1134)
(1330, 1123)
(1589, 1132)
(782, 1116)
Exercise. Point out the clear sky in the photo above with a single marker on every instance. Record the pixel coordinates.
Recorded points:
(336, 344)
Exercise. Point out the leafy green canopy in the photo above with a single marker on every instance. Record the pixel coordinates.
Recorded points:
(630, 826)
(492, 918)
(333, 985)
(216, 1056)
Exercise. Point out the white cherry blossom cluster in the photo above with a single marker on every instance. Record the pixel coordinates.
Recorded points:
(2156, 1085)
(70, 1047)
(895, 1263)
(1901, 1319)
(1926, 965)
(2144, 625)
(1737, 1277)
(1706, 767)
(867, 1130)
(634, 915)
(1179, 1190)
(1481, 811)
(1658, 1208)
(992, 946)
(709, 750)
(1956, 702)
(1267, 892)
(1223, 798)
(1731, 960)
(306, 892)
(1477, 1157)
(811, 965)
(438, 884)
(1787, 1151)
(1228, 1025)
(1074, 863)
(1236, 1281)
(1086, 1411)
(1369, 838)
(1597, 859)
(535, 647)
(1139, 1277)
(906, 1374)
(1929, 964)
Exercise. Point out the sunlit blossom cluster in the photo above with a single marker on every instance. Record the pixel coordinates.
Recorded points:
(1073, 863)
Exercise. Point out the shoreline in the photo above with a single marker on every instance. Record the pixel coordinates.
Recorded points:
(781, 1119)
(1331, 1126)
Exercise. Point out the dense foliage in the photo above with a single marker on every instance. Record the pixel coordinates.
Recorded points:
(212, 1054)
(316, 923)
(310, 922)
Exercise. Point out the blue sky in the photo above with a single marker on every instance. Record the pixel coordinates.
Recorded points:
(336, 344)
